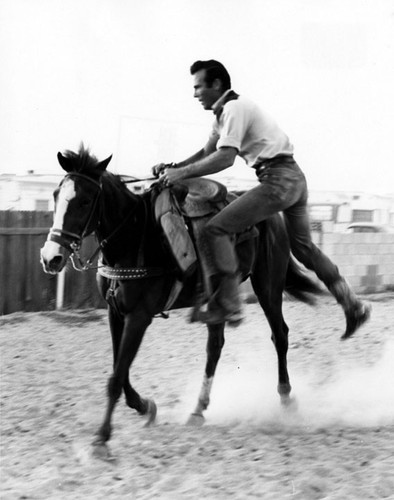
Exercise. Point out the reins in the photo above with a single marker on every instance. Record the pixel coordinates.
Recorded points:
(75, 256)
(129, 179)
(89, 262)
(62, 237)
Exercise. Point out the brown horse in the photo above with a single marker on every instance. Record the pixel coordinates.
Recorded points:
(139, 276)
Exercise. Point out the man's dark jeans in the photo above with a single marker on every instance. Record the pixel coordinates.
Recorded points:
(282, 188)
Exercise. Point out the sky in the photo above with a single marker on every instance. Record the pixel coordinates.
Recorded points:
(115, 75)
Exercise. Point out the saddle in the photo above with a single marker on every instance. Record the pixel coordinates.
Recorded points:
(182, 212)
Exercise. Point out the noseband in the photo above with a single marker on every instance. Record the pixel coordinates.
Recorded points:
(67, 239)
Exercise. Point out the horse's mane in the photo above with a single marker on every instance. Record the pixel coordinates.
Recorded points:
(85, 162)
(82, 161)
(115, 181)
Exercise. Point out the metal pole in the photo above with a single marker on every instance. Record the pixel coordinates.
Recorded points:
(61, 280)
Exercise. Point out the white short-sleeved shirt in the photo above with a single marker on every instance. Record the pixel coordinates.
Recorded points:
(241, 124)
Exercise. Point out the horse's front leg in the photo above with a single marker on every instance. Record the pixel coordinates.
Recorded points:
(125, 351)
(116, 322)
(144, 406)
(214, 348)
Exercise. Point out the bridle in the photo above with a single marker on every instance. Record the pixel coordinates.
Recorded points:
(72, 241)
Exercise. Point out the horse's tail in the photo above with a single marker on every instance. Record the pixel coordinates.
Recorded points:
(299, 285)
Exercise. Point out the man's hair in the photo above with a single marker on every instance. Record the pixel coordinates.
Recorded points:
(213, 70)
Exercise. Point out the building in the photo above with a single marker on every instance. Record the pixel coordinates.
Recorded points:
(27, 192)
(333, 211)
(34, 191)
(330, 211)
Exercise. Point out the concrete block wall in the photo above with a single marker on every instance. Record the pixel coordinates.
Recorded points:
(366, 260)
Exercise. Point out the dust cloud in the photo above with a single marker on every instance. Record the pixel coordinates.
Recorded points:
(244, 393)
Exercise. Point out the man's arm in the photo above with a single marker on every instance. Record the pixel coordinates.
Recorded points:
(211, 164)
(208, 149)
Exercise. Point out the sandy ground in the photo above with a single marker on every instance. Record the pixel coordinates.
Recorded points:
(338, 444)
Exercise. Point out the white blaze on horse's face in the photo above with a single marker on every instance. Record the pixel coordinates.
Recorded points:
(52, 252)
(66, 194)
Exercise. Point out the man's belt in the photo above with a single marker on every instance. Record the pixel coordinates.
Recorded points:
(265, 163)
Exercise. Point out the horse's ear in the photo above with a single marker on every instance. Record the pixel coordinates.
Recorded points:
(104, 164)
(64, 162)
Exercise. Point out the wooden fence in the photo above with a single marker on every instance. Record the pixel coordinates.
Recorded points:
(23, 284)
(366, 260)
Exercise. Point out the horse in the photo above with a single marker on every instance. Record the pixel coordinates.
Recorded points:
(140, 275)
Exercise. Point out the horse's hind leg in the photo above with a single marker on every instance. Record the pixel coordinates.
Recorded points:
(214, 348)
(271, 302)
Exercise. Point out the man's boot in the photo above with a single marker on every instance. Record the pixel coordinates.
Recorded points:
(225, 304)
(357, 312)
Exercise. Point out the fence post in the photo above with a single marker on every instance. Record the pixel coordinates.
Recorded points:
(60, 283)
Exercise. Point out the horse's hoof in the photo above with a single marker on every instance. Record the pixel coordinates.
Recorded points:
(151, 412)
(196, 420)
(355, 318)
(101, 451)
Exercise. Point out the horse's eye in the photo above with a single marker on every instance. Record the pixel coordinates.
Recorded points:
(85, 202)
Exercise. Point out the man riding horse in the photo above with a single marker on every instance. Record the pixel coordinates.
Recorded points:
(241, 128)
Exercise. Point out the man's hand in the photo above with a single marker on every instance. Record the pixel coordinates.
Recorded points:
(158, 169)
(172, 175)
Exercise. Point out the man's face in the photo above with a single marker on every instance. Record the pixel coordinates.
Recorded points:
(205, 94)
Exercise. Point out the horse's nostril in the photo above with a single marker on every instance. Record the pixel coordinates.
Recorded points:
(53, 265)
(56, 261)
